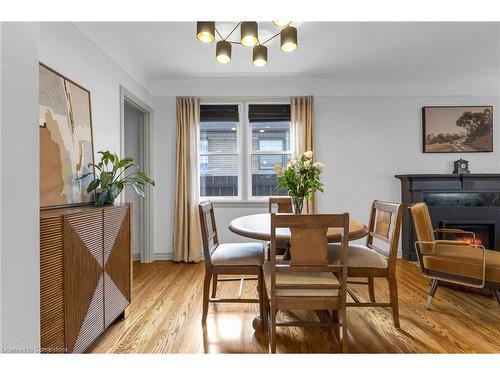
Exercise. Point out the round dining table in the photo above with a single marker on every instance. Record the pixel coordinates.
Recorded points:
(258, 227)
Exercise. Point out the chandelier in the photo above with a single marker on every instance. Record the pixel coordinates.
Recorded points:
(206, 32)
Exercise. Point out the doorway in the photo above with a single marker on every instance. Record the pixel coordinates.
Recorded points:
(135, 143)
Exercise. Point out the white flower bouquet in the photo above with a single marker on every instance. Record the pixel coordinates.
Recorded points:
(300, 178)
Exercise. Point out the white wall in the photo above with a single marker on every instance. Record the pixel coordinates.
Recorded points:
(368, 84)
(66, 49)
(364, 139)
(19, 186)
(1, 73)
(132, 137)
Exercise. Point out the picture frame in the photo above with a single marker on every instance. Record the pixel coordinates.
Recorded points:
(457, 129)
(66, 141)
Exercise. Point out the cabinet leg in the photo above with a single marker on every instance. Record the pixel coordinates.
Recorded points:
(125, 313)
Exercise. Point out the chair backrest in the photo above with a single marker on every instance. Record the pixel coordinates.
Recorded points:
(284, 205)
(309, 246)
(422, 222)
(209, 235)
(423, 225)
(384, 229)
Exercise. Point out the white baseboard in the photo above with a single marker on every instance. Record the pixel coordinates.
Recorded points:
(156, 256)
(162, 256)
(167, 256)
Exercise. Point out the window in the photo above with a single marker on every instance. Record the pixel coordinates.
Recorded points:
(269, 161)
(203, 158)
(270, 129)
(264, 133)
(219, 151)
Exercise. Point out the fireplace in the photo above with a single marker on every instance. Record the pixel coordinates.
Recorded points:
(468, 202)
(484, 233)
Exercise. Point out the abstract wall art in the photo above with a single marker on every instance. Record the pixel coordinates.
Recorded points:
(66, 146)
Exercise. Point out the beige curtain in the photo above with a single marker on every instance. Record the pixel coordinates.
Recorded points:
(187, 237)
(302, 132)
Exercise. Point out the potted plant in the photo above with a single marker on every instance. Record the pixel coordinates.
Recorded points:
(112, 178)
(300, 178)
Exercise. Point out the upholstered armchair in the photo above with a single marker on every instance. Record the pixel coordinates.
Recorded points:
(459, 262)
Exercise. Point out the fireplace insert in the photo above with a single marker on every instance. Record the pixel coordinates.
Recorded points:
(484, 232)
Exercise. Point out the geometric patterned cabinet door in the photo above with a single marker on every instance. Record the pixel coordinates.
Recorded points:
(84, 279)
(52, 285)
(117, 262)
(85, 274)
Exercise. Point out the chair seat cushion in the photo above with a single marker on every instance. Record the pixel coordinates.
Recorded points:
(461, 265)
(300, 279)
(358, 256)
(238, 254)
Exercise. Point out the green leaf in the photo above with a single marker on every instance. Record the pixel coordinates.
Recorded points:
(103, 198)
(106, 179)
(126, 162)
(139, 177)
(93, 185)
(83, 176)
(138, 190)
(114, 191)
(106, 157)
(95, 166)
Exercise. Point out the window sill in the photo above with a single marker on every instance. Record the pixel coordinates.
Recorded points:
(239, 203)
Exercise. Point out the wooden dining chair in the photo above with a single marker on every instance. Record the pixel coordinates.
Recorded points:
(377, 258)
(241, 259)
(282, 205)
(308, 281)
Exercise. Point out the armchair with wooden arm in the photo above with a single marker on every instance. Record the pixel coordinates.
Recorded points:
(455, 261)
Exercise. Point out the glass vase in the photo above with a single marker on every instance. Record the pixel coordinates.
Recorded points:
(298, 205)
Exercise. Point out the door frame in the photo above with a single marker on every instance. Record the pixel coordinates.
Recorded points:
(146, 150)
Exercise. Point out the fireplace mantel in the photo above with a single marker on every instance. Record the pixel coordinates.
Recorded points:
(451, 197)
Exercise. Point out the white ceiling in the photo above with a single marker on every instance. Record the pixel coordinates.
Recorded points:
(151, 52)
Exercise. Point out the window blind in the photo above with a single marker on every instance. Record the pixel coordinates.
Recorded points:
(269, 112)
(219, 113)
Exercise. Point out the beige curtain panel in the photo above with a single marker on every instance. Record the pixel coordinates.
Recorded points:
(187, 235)
(302, 132)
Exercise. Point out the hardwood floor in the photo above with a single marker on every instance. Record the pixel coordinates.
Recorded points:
(165, 317)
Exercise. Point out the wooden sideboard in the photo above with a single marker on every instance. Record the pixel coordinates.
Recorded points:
(85, 274)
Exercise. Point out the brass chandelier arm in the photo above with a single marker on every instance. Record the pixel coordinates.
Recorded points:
(217, 31)
(232, 31)
(228, 35)
(271, 38)
(259, 43)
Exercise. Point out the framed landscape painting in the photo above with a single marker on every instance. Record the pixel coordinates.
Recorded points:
(457, 129)
(66, 146)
